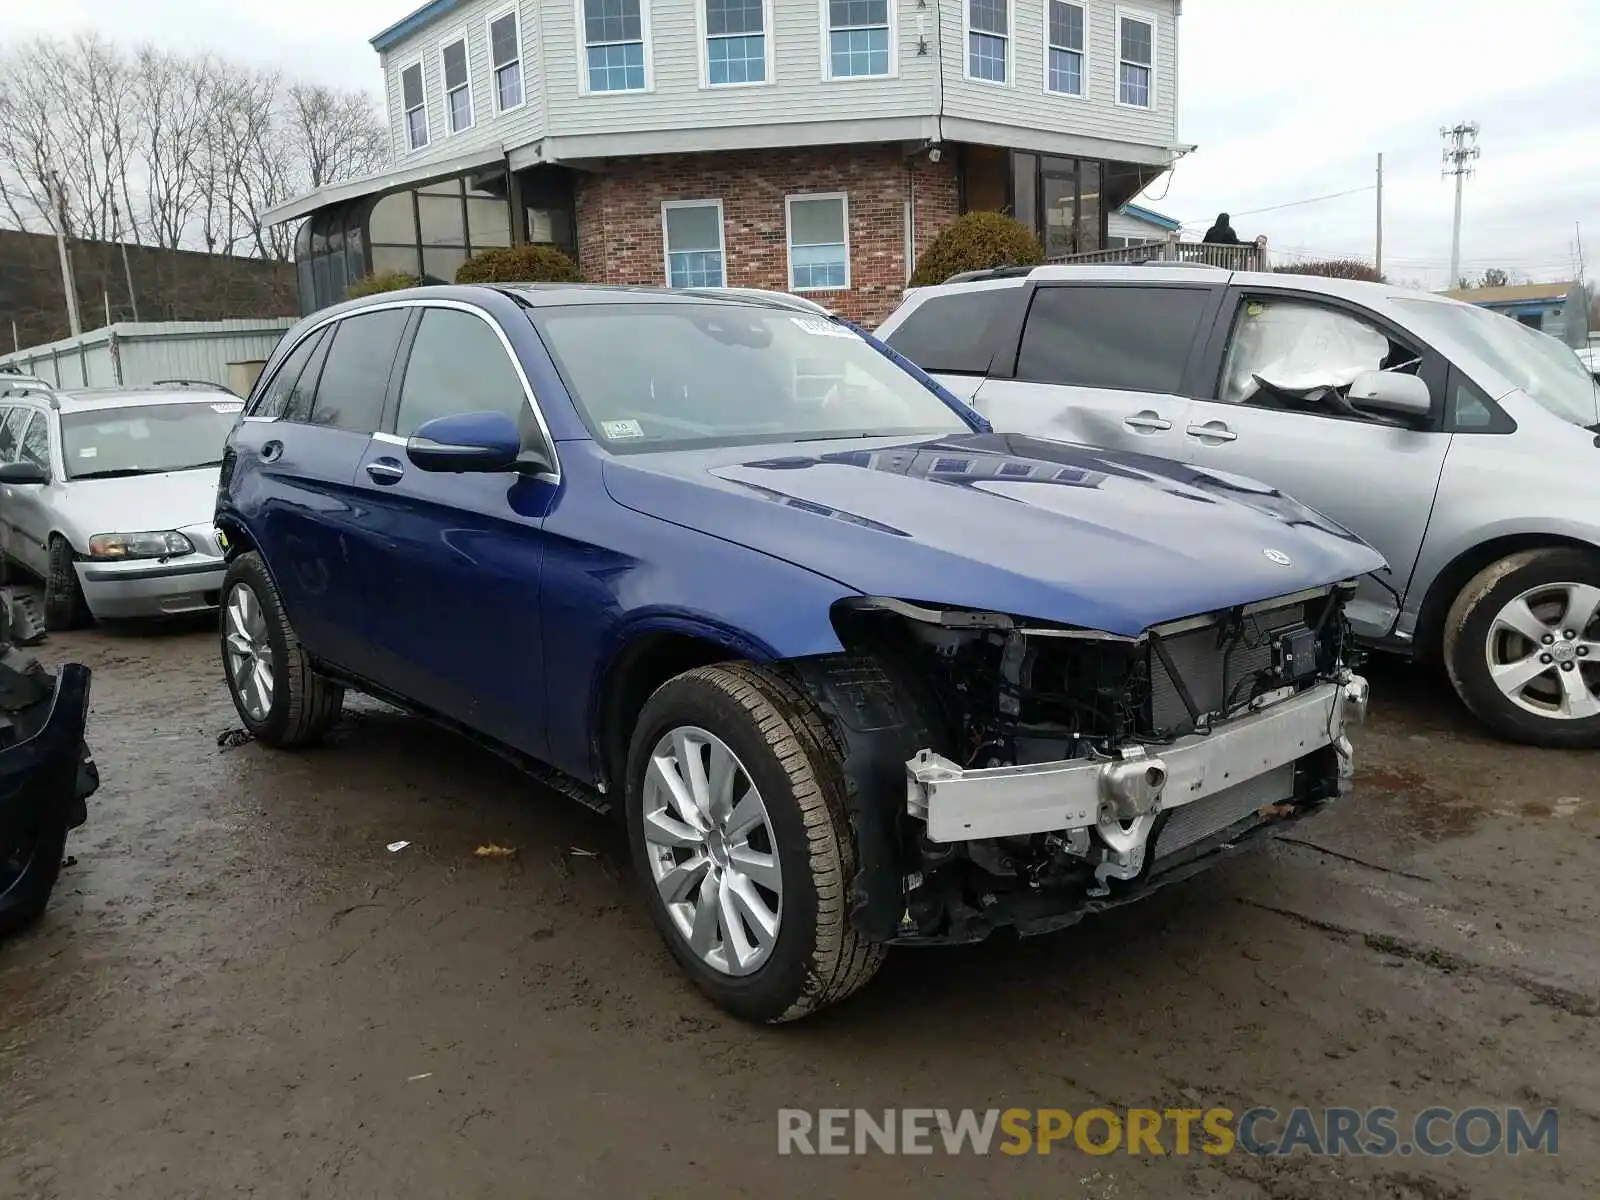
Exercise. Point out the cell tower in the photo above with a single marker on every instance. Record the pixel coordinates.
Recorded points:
(1460, 153)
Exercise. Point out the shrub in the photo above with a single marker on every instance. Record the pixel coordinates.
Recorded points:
(1336, 268)
(975, 242)
(381, 281)
(519, 264)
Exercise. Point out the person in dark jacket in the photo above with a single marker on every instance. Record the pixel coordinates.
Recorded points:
(1222, 234)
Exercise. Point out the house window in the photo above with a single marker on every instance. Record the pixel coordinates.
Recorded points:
(693, 233)
(1064, 69)
(858, 38)
(988, 39)
(1136, 47)
(505, 60)
(736, 43)
(819, 242)
(613, 37)
(415, 103)
(457, 90)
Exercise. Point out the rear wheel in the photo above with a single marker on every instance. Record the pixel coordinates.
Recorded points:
(282, 701)
(740, 836)
(30, 860)
(1522, 645)
(64, 606)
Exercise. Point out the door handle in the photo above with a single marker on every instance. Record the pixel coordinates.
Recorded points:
(1212, 431)
(1147, 421)
(385, 471)
(271, 451)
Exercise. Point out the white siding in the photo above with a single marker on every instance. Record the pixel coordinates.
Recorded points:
(798, 95)
(1121, 224)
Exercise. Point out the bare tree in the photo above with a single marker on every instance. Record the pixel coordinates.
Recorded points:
(337, 132)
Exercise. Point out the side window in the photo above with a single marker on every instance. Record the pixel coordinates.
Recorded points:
(275, 400)
(1469, 409)
(949, 333)
(355, 378)
(1299, 355)
(1132, 339)
(457, 365)
(35, 447)
(11, 432)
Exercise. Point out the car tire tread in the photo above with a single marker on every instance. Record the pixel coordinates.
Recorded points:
(64, 605)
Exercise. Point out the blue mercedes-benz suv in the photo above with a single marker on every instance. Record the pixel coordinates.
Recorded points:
(855, 669)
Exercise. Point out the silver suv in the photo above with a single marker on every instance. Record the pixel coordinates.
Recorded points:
(1461, 444)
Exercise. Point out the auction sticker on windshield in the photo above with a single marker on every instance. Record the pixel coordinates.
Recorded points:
(820, 328)
(618, 430)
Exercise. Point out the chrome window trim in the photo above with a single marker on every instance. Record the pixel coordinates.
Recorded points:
(552, 476)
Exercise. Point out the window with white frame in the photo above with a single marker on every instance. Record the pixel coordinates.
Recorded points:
(858, 38)
(1064, 38)
(613, 39)
(1136, 56)
(988, 40)
(505, 60)
(693, 233)
(457, 87)
(736, 41)
(414, 103)
(819, 242)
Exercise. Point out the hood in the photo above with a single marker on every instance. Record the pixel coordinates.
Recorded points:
(1003, 522)
(143, 503)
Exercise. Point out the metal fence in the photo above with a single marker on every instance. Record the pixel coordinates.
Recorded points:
(1249, 257)
(129, 354)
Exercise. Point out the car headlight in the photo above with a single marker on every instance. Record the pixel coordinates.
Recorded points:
(167, 543)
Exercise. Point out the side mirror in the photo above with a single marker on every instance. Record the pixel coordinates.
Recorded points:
(1389, 394)
(23, 471)
(481, 441)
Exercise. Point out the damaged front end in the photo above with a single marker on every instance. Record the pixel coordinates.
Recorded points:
(46, 773)
(1067, 771)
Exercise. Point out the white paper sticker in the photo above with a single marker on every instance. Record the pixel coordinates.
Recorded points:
(88, 451)
(227, 408)
(817, 327)
(619, 430)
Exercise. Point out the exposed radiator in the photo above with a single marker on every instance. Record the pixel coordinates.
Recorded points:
(1213, 673)
(1195, 822)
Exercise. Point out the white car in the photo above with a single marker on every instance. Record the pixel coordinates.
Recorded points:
(107, 495)
(1590, 358)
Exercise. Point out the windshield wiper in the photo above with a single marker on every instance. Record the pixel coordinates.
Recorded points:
(113, 473)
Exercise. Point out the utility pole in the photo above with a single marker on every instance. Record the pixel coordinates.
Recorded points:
(1378, 263)
(69, 285)
(1460, 152)
(127, 271)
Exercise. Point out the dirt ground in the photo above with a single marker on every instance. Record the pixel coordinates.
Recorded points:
(238, 990)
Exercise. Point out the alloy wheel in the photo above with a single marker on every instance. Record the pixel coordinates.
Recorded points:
(1543, 650)
(249, 651)
(711, 850)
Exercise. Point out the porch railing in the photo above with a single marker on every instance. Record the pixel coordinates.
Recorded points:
(1250, 257)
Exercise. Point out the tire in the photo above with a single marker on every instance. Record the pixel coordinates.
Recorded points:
(64, 606)
(785, 749)
(301, 706)
(28, 875)
(1501, 618)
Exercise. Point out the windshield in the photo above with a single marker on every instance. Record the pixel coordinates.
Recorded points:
(1546, 369)
(145, 439)
(654, 376)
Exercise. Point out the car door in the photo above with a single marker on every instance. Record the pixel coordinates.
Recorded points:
(452, 562)
(29, 504)
(1256, 418)
(295, 462)
(1104, 363)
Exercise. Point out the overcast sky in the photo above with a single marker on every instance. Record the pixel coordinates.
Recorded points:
(1285, 100)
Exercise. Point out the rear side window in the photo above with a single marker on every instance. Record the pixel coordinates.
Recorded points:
(949, 333)
(275, 400)
(1133, 339)
(355, 378)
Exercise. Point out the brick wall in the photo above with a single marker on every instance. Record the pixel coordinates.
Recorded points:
(619, 215)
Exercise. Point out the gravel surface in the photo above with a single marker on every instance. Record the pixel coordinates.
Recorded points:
(239, 990)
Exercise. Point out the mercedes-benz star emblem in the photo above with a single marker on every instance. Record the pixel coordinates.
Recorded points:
(1277, 556)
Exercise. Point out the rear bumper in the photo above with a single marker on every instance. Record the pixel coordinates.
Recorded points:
(151, 587)
(960, 805)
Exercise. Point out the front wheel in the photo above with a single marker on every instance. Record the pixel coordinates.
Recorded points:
(1522, 645)
(740, 836)
(64, 606)
(282, 701)
(30, 860)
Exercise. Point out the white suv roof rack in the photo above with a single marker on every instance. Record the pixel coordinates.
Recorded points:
(14, 383)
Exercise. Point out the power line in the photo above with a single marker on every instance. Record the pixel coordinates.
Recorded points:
(1251, 212)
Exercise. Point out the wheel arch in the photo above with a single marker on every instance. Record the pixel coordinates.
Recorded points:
(239, 539)
(1456, 574)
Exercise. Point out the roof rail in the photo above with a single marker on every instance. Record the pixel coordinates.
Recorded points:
(1004, 271)
(14, 383)
(207, 384)
(776, 298)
